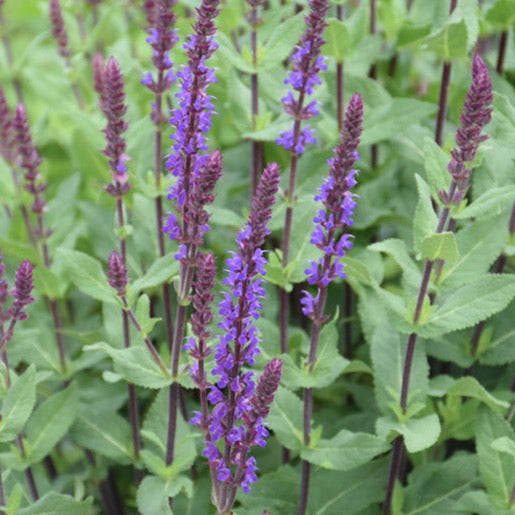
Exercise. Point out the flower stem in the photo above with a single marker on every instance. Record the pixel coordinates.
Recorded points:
(257, 146)
(502, 52)
(133, 401)
(408, 358)
(374, 151)
(444, 92)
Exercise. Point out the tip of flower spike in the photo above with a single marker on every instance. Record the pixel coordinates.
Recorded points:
(22, 288)
(117, 273)
(478, 66)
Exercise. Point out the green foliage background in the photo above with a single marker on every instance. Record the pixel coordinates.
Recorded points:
(459, 426)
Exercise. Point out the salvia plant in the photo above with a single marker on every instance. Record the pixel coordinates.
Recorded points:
(257, 257)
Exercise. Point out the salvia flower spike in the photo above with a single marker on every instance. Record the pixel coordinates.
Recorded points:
(29, 161)
(307, 63)
(114, 110)
(161, 38)
(476, 114)
(238, 344)
(117, 273)
(22, 290)
(192, 119)
(7, 133)
(58, 28)
(338, 206)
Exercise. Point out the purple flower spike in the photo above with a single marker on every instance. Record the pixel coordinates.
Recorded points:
(238, 344)
(192, 119)
(29, 161)
(476, 114)
(307, 63)
(22, 290)
(7, 134)
(336, 213)
(114, 110)
(117, 273)
(98, 77)
(161, 38)
(200, 319)
(58, 28)
(4, 287)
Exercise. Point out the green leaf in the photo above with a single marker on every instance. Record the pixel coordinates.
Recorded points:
(449, 42)
(392, 14)
(87, 274)
(393, 118)
(504, 444)
(53, 503)
(18, 404)
(337, 493)
(418, 433)
(135, 365)
(440, 246)
(345, 451)
(434, 488)
(48, 283)
(490, 203)
(470, 387)
(388, 350)
(161, 271)
(50, 423)
(154, 493)
(275, 491)
(155, 433)
(337, 38)
(226, 52)
(105, 432)
(397, 250)
(280, 43)
(425, 221)
(472, 303)
(502, 13)
(495, 467)
(479, 245)
(143, 317)
(477, 501)
(328, 365)
(285, 419)
(435, 165)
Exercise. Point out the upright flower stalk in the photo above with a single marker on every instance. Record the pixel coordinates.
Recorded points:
(6, 42)
(444, 91)
(307, 63)
(257, 147)
(330, 238)
(22, 297)
(30, 161)
(161, 38)
(239, 406)
(475, 115)
(193, 169)
(9, 151)
(112, 97)
(61, 37)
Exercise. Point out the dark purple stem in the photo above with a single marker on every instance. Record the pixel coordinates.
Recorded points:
(133, 401)
(444, 92)
(158, 158)
(502, 52)
(408, 358)
(374, 152)
(257, 146)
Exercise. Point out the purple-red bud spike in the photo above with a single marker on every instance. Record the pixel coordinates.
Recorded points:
(475, 115)
(22, 290)
(7, 135)
(117, 273)
(29, 159)
(114, 110)
(58, 28)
